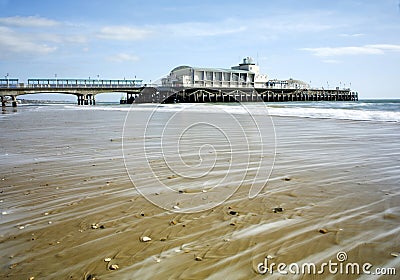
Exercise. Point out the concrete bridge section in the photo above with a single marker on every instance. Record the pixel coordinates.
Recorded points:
(84, 90)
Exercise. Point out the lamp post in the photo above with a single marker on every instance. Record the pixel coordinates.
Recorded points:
(55, 75)
(8, 85)
(98, 80)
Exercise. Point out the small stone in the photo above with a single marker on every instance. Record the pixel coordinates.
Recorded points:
(323, 230)
(32, 278)
(145, 239)
(21, 227)
(50, 222)
(394, 254)
(199, 259)
(13, 266)
(46, 213)
(226, 240)
(232, 224)
(107, 259)
(204, 191)
(114, 267)
(142, 214)
(233, 212)
(277, 209)
(4, 213)
(176, 207)
(287, 178)
(102, 227)
(173, 222)
(163, 239)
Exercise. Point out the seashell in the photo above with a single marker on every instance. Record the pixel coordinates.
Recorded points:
(145, 239)
(107, 259)
(95, 226)
(114, 267)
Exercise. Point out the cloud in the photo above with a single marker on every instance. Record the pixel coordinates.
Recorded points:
(123, 57)
(354, 50)
(10, 42)
(201, 29)
(352, 35)
(30, 21)
(123, 33)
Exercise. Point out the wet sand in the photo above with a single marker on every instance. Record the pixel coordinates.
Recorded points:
(62, 173)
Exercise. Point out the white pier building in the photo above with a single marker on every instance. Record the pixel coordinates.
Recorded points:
(245, 75)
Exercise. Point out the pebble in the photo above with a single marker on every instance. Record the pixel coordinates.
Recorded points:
(21, 227)
(107, 259)
(4, 213)
(114, 267)
(277, 209)
(95, 226)
(176, 207)
(145, 239)
(199, 259)
(394, 254)
(323, 230)
(47, 213)
(233, 212)
(173, 222)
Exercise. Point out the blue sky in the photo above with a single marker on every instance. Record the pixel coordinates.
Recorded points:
(335, 43)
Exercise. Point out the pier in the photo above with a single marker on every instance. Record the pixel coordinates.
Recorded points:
(218, 94)
(84, 89)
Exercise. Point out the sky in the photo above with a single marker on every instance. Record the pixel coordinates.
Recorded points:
(345, 43)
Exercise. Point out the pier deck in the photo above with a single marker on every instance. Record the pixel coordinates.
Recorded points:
(203, 95)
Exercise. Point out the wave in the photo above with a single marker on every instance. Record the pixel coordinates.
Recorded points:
(356, 111)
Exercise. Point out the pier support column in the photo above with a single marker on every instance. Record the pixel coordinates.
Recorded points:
(14, 101)
(3, 101)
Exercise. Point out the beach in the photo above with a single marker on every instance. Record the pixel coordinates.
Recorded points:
(78, 195)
